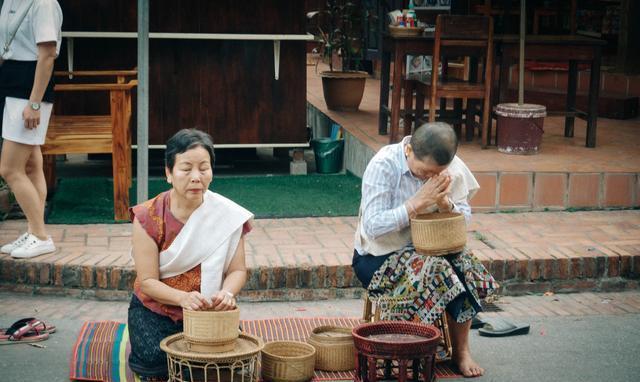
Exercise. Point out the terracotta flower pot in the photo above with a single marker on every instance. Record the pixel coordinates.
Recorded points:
(343, 90)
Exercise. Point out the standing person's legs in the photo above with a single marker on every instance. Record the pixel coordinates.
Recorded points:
(30, 197)
(13, 165)
(461, 351)
(35, 172)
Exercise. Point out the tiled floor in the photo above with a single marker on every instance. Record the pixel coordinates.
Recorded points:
(617, 147)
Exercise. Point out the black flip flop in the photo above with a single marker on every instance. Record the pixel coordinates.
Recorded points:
(477, 322)
(499, 327)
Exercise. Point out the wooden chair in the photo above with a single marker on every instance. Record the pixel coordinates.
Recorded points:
(461, 36)
(91, 134)
(371, 313)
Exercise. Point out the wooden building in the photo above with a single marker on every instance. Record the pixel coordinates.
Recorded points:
(233, 69)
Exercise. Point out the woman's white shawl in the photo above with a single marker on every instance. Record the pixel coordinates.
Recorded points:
(210, 238)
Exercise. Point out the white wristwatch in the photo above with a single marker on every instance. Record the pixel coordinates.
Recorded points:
(34, 106)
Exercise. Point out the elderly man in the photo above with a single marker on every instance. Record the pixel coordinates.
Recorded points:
(420, 174)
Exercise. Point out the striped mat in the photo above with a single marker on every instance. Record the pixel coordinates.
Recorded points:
(102, 349)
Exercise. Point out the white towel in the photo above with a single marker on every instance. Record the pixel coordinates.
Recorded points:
(210, 237)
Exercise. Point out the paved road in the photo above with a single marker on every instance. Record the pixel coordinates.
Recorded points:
(576, 337)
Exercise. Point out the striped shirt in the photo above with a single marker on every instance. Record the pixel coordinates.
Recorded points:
(388, 183)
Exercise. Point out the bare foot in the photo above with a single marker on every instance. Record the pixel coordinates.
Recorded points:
(468, 367)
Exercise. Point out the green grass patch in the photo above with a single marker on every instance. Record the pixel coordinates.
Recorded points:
(90, 200)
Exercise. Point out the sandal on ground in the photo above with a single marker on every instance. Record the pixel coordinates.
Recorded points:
(43, 327)
(477, 322)
(27, 330)
(499, 327)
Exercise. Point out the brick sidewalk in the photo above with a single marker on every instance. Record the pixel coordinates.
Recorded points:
(310, 258)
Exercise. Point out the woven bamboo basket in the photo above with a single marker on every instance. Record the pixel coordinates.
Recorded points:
(241, 364)
(405, 31)
(439, 234)
(211, 331)
(334, 348)
(288, 361)
(394, 308)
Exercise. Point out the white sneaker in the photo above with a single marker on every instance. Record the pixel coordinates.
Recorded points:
(8, 248)
(33, 247)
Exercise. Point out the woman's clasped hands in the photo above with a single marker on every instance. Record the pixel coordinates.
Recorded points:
(222, 300)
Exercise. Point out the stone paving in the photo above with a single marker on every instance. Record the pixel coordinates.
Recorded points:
(576, 337)
(55, 308)
(310, 258)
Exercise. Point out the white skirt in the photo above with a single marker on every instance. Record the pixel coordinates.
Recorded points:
(13, 125)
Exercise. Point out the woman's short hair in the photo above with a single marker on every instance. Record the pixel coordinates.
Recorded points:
(185, 140)
(435, 140)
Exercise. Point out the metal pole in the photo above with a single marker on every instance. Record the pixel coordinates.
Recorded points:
(142, 193)
(523, 31)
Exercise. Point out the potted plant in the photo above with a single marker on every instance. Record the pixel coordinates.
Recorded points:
(340, 29)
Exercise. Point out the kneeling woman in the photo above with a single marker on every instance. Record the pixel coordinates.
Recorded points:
(188, 249)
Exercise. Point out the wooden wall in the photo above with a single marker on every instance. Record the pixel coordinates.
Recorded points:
(226, 88)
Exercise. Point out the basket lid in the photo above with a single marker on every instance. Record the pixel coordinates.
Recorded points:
(526, 110)
(211, 313)
(245, 346)
(331, 332)
(439, 216)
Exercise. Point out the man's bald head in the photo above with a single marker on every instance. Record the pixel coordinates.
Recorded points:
(436, 140)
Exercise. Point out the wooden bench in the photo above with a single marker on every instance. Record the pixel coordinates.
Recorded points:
(95, 134)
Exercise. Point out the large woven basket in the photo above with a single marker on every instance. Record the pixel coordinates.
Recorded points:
(237, 365)
(245, 346)
(439, 234)
(385, 339)
(334, 348)
(395, 308)
(208, 330)
(288, 361)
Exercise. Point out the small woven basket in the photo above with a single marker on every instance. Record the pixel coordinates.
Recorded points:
(439, 234)
(334, 348)
(405, 31)
(288, 361)
(208, 330)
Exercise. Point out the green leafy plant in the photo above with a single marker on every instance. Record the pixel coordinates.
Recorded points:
(340, 29)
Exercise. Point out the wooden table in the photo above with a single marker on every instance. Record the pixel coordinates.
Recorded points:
(569, 48)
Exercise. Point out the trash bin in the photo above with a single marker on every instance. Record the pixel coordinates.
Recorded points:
(328, 153)
(520, 127)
